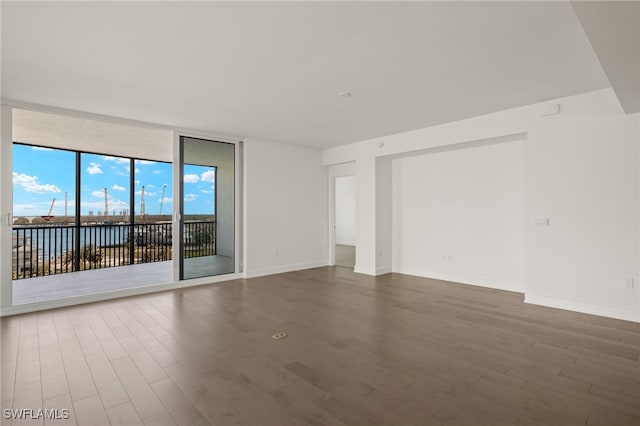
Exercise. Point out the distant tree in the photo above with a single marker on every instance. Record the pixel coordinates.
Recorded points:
(157, 253)
(69, 255)
(203, 237)
(90, 253)
(37, 221)
(21, 221)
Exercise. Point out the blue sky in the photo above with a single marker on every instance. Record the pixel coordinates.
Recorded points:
(40, 174)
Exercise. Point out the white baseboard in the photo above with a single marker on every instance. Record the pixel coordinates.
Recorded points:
(383, 270)
(379, 271)
(461, 280)
(586, 308)
(285, 268)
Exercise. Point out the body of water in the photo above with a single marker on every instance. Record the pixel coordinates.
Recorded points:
(50, 242)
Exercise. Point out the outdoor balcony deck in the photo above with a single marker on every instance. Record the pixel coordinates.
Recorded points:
(73, 284)
(55, 262)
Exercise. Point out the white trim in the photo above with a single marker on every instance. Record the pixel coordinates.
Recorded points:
(460, 280)
(6, 206)
(99, 297)
(586, 308)
(382, 270)
(335, 171)
(285, 268)
(245, 203)
(176, 220)
(357, 270)
(238, 193)
(379, 271)
(237, 212)
(331, 201)
(206, 136)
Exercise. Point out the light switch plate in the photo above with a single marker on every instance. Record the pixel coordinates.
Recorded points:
(542, 221)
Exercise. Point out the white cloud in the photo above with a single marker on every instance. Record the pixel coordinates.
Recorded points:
(191, 178)
(190, 197)
(94, 169)
(157, 172)
(31, 184)
(117, 160)
(204, 191)
(145, 162)
(165, 200)
(98, 194)
(146, 193)
(118, 188)
(41, 148)
(24, 210)
(209, 176)
(150, 185)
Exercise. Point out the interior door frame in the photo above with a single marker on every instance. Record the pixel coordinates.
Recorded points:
(337, 171)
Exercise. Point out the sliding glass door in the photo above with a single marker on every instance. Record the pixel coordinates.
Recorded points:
(207, 208)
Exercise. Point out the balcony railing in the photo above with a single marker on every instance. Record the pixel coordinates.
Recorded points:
(49, 250)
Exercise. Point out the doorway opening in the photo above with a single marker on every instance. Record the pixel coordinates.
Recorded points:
(345, 221)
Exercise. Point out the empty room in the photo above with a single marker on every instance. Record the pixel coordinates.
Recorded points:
(320, 213)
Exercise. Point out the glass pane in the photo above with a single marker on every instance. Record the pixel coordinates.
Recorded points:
(105, 211)
(153, 211)
(208, 208)
(43, 214)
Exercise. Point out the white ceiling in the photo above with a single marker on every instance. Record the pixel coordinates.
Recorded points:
(613, 29)
(274, 70)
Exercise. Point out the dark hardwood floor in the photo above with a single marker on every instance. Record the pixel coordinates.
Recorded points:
(391, 350)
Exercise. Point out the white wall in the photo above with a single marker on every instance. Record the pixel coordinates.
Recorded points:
(458, 215)
(285, 208)
(384, 212)
(581, 171)
(346, 210)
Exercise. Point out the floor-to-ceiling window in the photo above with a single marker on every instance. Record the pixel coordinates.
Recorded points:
(44, 213)
(100, 206)
(207, 208)
(75, 211)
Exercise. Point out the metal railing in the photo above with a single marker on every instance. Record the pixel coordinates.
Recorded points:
(199, 239)
(51, 249)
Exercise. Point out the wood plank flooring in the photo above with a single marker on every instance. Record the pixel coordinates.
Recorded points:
(388, 350)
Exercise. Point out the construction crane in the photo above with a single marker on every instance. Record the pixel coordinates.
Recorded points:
(162, 198)
(106, 204)
(49, 216)
(142, 203)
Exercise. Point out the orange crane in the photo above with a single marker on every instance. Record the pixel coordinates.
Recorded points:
(49, 216)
